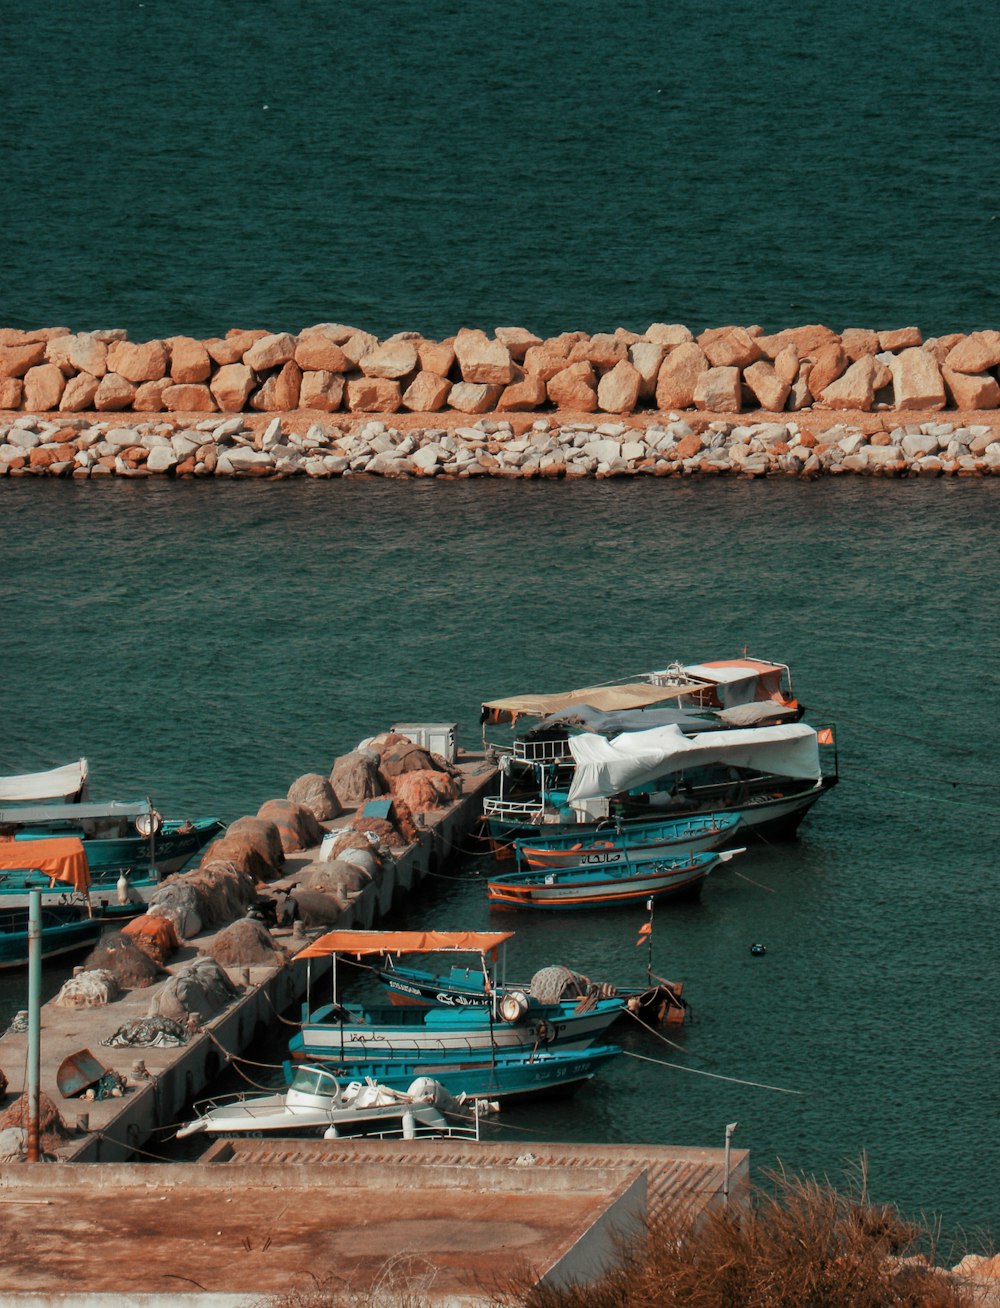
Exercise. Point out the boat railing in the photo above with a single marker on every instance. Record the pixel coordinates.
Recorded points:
(542, 751)
(530, 810)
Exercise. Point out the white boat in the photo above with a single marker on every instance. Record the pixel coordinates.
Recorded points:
(315, 1104)
(67, 784)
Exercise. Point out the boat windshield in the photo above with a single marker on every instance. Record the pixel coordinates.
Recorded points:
(314, 1081)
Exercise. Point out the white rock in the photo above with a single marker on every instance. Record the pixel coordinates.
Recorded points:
(428, 457)
(220, 430)
(603, 451)
(851, 444)
(916, 444)
(8, 453)
(120, 438)
(241, 458)
(883, 454)
(317, 467)
(632, 450)
(271, 435)
(23, 439)
(162, 459)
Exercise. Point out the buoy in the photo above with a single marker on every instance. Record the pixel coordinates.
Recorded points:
(121, 889)
(758, 949)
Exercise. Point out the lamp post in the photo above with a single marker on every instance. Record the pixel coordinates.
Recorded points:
(725, 1167)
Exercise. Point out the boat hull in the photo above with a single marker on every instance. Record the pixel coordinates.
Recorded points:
(559, 889)
(645, 843)
(64, 931)
(107, 857)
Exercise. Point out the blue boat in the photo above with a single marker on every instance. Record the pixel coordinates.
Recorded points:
(492, 1074)
(622, 884)
(636, 843)
(66, 929)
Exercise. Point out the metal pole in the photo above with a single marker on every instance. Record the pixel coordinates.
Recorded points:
(725, 1172)
(34, 1019)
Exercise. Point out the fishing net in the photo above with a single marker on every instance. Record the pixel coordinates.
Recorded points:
(91, 989)
(176, 901)
(424, 790)
(128, 964)
(550, 985)
(201, 989)
(315, 793)
(355, 778)
(52, 1130)
(297, 825)
(388, 833)
(243, 943)
(156, 936)
(334, 878)
(315, 908)
(149, 1033)
(249, 850)
(264, 836)
(224, 892)
(3, 1084)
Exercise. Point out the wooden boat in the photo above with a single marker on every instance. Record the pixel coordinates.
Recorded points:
(65, 784)
(501, 1074)
(639, 842)
(590, 887)
(316, 1103)
(66, 929)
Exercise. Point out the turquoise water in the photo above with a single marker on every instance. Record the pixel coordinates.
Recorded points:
(177, 167)
(207, 644)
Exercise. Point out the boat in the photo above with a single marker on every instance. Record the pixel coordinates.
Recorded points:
(65, 929)
(316, 1103)
(67, 784)
(639, 842)
(497, 1074)
(621, 884)
(122, 839)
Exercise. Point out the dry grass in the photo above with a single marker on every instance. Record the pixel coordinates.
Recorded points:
(402, 1282)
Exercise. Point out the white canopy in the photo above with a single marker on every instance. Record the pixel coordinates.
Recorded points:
(608, 767)
(61, 783)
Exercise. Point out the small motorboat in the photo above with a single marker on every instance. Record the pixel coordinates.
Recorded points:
(65, 929)
(636, 843)
(315, 1103)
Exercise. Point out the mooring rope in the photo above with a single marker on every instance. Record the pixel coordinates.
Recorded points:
(716, 1076)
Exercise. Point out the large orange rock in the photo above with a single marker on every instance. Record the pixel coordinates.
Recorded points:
(15, 360)
(668, 334)
(717, 390)
(426, 393)
(435, 356)
(233, 347)
(189, 397)
(149, 396)
(916, 380)
(856, 389)
(688, 446)
(806, 340)
(321, 390)
(971, 390)
(518, 341)
(828, 363)
(727, 347)
(770, 389)
(138, 361)
(481, 360)
(546, 360)
(358, 345)
(859, 341)
(270, 352)
(11, 392)
(113, 393)
(43, 456)
(786, 363)
(618, 389)
(79, 393)
(316, 352)
(526, 393)
(83, 352)
(941, 346)
(373, 395)
(43, 388)
(231, 387)
(901, 338)
(189, 360)
(646, 357)
(474, 397)
(679, 375)
(575, 387)
(977, 352)
(393, 358)
(280, 393)
(601, 349)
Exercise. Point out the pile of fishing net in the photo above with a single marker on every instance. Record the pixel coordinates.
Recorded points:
(155, 935)
(245, 943)
(253, 845)
(91, 989)
(201, 990)
(149, 1033)
(224, 892)
(176, 901)
(425, 789)
(353, 846)
(386, 833)
(297, 825)
(52, 1130)
(315, 793)
(355, 778)
(118, 954)
(552, 984)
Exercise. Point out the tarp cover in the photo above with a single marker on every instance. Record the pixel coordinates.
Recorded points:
(59, 783)
(607, 767)
(751, 715)
(612, 724)
(33, 814)
(606, 698)
(63, 859)
(403, 942)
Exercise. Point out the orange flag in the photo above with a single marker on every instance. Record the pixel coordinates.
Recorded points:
(824, 736)
(645, 931)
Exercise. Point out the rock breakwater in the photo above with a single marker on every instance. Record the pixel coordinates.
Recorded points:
(332, 367)
(491, 447)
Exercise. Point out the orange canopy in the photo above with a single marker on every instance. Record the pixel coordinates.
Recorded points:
(61, 859)
(404, 942)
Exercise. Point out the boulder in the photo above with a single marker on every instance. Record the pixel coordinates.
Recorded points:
(394, 359)
(373, 395)
(270, 352)
(976, 353)
(859, 341)
(79, 393)
(618, 389)
(426, 393)
(233, 347)
(190, 397)
(113, 393)
(280, 392)
(149, 396)
(545, 360)
(474, 397)
(528, 392)
(901, 338)
(231, 387)
(84, 352)
(669, 335)
(138, 361)
(601, 349)
(770, 389)
(518, 341)
(679, 375)
(11, 392)
(717, 390)
(916, 380)
(43, 388)
(481, 360)
(807, 340)
(315, 793)
(435, 356)
(646, 357)
(971, 390)
(189, 360)
(357, 346)
(574, 388)
(297, 825)
(728, 347)
(828, 363)
(316, 352)
(856, 388)
(201, 990)
(355, 778)
(15, 360)
(322, 390)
